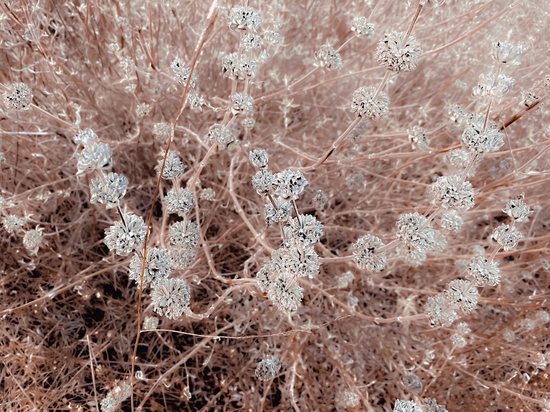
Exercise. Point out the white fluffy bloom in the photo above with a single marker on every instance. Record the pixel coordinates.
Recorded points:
(171, 297)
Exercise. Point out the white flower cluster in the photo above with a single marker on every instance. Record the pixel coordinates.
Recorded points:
(361, 27)
(126, 236)
(397, 55)
(173, 167)
(329, 58)
(365, 256)
(157, 267)
(446, 193)
(20, 97)
(418, 138)
(365, 103)
(268, 368)
(243, 18)
(115, 397)
(94, 155)
(222, 136)
(108, 189)
(237, 67)
(481, 137)
(171, 297)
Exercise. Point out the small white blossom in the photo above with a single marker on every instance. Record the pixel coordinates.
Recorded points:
(483, 271)
(124, 237)
(157, 267)
(94, 156)
(173, 168)
(329, 58)
(397, 55)
(171, 297)
(462, 294)
(362, 27)
(114, 398)
(108, 189)
(184, 233)
(517, 209)
(242, 18)
(20, 97)
(259, 158)
(268, 368)
(507, 236)
(365, 104)
(365, 256)
(179, 200)
(446, 193)
(290, 184)
(33, 239)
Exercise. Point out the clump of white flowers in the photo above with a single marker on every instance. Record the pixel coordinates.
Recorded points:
(171, 297)
(365, 256)
(365, 102)
(20, 97)
(329, 58)
(268, 368)
(398, 55)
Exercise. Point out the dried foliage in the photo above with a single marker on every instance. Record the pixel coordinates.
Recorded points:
(311, 205)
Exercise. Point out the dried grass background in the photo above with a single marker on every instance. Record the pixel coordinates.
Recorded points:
(69, 315)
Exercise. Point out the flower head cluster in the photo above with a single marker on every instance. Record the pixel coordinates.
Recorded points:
(94, 156)
(329, 58)
(85, 137)
(222, 136)
(365, 256)
(440, 310)
(114, 398)
(20, 97)
(171, 297)
(418, 138)
(259, 158)
(491, 85)
(238, 67)
(361, 27)
(179, 200)
(182, 73)
(33, 239)
(124, 237)
(173, 168)
(157, 267)
(414, 230)
(242, 103)
(272, 37)
(504, 52)
(406, 406)
(281, 213)
(296, 260)
(163, 130)
(507, 236)
(452, 221)
(243, 18)
(181, 257)
(397, 55)
(479, 137)
(365, 103)
(447, 194)
(290, 184)
(263, 181)
(108, 189)
(462, 294)
(13, 223)
(413, 382)
(306, 230)
(268, 368)
(251, 41)
(184, 233)
(347, 399)
(150, 323)
(483, 271)
(517, 209)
